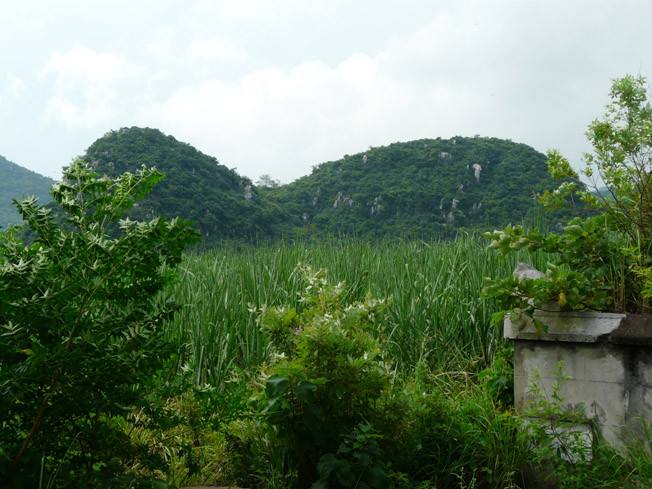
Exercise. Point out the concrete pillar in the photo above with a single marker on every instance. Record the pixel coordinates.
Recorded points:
(606, 362)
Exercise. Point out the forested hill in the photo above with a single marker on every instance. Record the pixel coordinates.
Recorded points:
(418, 189)
(17, 182)
(196, 187)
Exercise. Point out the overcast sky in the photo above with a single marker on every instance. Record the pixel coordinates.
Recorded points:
(277, 86)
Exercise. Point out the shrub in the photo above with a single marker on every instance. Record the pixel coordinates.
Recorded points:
(326, 374)
(80, 327)
(450, 432)
(603, 262)
(330, 411)
(182, 433)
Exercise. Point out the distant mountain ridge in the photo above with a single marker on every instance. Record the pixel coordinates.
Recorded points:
(17, 182)
(423, 188)
(418, 189)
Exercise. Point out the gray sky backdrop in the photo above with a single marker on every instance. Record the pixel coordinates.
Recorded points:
(277, 86)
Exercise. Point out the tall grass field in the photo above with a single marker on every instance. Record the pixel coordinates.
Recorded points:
(435, 310)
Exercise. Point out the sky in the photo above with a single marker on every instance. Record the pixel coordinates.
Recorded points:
(278, 86)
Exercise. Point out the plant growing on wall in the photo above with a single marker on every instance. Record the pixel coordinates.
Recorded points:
(602, 262)
(80, 326)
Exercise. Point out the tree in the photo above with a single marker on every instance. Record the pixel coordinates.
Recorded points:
(267, 181)
(604, 262)
(620, 165)
(80, 324)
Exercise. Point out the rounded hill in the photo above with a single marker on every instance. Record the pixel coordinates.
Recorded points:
(196, 186)
(419, 188)
(17, 182)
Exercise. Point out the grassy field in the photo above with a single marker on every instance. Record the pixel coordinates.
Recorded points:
(435, 310)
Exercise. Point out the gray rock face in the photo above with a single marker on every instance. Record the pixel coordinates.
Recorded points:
(248, 194)
(477, 169)
(524, 271)
(376, 206)
(341, 200)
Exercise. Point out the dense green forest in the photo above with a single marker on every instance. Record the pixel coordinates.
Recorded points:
(197, 187)
(419, 188)
(15, 182)
(423, 188)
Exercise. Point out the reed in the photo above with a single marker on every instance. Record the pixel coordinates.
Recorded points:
(435, 312)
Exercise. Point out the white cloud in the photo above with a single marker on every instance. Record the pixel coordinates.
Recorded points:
(87, 87)
(505, 69)
(276, 87)
(216, 50)
(81, 64)
(287, 120)
(284, 119)
(16, 86)
(84, 115)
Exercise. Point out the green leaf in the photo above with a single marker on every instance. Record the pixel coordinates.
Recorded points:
(276, 386)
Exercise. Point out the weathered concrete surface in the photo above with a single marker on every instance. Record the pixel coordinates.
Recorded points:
(575, 327)
(606, 357)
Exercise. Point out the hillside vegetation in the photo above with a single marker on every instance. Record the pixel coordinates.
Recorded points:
(197, 187)
(435, 311)
(17, 182)
(423, 188)
(419, 189)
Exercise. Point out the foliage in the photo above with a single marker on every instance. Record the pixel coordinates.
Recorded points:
(331, 412)
(266, 180)
(324, 414)
(498, 378)
(257, 457)
(448, 430)
(355, 464)
(197, 187)
(603, 262)
(589, 270)
(325, 376)
(81, 331)
(419, 189)
(18, 182)
(184, 431)
(434, 312)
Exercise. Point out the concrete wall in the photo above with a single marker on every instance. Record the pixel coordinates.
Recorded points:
(607, 359)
